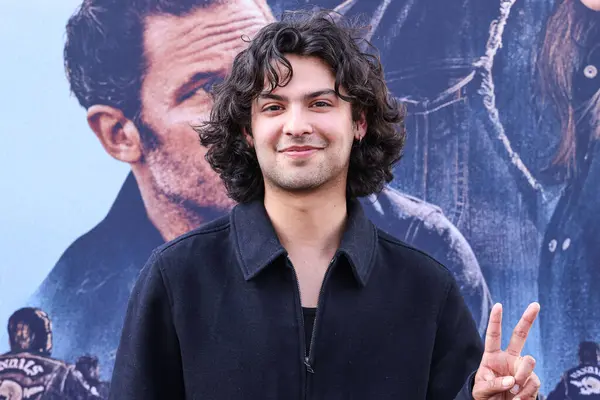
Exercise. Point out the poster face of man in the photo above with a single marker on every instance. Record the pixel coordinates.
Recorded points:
(183, 57)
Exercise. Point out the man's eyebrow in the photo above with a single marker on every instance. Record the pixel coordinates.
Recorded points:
(192, 82)
(308, 96)
(320, 93)
(271, 96)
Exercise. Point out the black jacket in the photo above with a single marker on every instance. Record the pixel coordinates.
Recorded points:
(579, 383)
(86, 292)
(216, 314)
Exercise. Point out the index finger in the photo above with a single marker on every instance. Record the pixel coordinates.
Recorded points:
(521, 331)
(493, 335)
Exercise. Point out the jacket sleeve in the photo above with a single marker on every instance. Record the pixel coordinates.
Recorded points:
(457, 351)
(148, 362)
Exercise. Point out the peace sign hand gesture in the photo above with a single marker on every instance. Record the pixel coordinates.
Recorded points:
(506, 375)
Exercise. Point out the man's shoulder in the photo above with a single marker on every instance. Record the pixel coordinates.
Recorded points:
(86, 253)
(102, 246)
(206, 233)
(205, 255)
(209, 238)
(82, 249)
(400, 254)
(97, 253)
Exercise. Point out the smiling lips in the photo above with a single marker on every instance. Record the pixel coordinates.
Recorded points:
(300, 151)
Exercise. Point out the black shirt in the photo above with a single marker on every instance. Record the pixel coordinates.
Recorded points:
(216, 314)
(309, 322)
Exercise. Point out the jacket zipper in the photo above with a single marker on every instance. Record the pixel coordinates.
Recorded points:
(308, 359)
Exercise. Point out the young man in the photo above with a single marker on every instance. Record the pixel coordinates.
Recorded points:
(295, 294)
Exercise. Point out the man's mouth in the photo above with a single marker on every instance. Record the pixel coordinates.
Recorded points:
(300, 151)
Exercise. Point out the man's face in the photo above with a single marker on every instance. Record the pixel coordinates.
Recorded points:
(185, 55)
(302, 132)
(23, 336)
(93, 373)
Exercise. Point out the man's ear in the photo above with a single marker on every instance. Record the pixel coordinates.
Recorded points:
(119, 135)
(248, 137)
(360, 127)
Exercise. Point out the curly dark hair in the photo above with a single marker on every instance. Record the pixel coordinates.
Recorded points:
(336, 41)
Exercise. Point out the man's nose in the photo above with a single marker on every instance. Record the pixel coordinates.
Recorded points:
(297, 122)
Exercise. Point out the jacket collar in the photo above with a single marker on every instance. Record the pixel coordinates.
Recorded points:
(257, 244)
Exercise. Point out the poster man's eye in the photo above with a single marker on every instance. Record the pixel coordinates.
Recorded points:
(203, 89)
(209, 85)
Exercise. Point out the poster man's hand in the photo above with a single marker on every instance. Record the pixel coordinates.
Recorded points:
(505, 374)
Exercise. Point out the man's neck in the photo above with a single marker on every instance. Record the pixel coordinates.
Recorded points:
(310, 224)
(172, 218)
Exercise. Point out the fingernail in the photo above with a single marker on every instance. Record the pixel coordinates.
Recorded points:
(517, 398)
(507, 381)
(515, 389)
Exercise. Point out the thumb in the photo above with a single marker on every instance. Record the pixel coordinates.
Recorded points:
(484, 389)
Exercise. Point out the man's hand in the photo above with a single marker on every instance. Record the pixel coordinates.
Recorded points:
(506, 375)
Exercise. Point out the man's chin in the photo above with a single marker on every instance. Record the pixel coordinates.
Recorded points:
(301, 187)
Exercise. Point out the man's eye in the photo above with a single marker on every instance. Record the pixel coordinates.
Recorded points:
(321, 104)
(205, 88)
(187, 95)
(273, 107)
